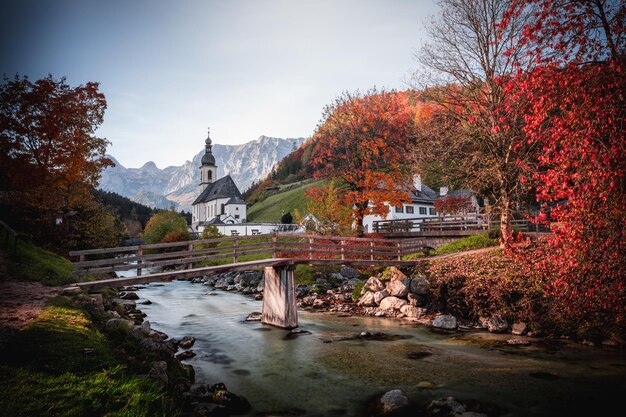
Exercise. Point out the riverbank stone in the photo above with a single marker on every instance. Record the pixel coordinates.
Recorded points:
(392, 402)
(374, 284)
(398, 287)
(349, 273)
(392, 303)
(380, 295)
(420, 285)
(497, 324)
(187, 354)
(187, 342)
(367, 300)
(519, 329)
(445, 322)
(412, 311)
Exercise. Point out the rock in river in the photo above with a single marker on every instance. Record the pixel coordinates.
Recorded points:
(393, 303)
(445, 322)
(391, 402)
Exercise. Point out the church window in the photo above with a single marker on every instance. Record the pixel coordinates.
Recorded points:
(223, 208)
(209, 175)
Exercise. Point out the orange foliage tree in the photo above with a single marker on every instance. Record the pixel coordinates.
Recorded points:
(50, 158)
(362, 141)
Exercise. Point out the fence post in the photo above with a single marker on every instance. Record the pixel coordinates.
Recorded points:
(371, 251)
(399, 250)
(235, 244)
(139, 261)
(311, 248)
(190, 248)
(274, 246)
(343, 250)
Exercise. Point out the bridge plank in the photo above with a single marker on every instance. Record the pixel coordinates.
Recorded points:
(183, 274)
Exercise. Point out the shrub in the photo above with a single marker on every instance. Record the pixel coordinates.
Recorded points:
(486, 284)
(175, 236)
(161, 224)
(356, 292)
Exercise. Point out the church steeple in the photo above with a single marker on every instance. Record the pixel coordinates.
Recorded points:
(208, 169)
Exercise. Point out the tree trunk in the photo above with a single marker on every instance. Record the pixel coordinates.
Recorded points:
(360, 213)
(505, 221)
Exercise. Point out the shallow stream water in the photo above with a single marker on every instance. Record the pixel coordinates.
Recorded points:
(329, 372)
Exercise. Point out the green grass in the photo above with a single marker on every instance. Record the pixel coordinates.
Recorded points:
(31, 263)
(270, 209)
(468, 243)
(61, 365)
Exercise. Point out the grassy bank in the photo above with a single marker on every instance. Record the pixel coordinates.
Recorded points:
(62, 365)
(271, 208)
(32, 263)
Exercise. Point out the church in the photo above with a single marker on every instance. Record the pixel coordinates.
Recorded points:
(220, 202)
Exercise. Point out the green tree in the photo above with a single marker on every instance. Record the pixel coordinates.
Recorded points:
(164, 223)
(286, 218)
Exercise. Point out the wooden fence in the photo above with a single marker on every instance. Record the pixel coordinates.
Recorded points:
(302, 248)
(450, 225)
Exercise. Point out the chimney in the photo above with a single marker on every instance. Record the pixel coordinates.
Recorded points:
(443, 191)
(417, 182)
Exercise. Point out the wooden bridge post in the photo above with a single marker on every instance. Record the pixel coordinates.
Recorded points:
(343, 250)
(311, 248)
(399, 246)
(279, 297)
(235, 257)
(371, 251)
(139, 261)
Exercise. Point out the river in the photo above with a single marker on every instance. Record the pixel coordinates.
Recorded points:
(330, 373)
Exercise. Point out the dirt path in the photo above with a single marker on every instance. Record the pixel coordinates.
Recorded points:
(21, 301)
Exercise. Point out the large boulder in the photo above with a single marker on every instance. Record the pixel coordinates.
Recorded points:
(398, 287)
(412, 311)
(380, 295)
(373, 284)
(445, 322)
(420, 285)
(367, 300)
(497, 324)
(392, 303)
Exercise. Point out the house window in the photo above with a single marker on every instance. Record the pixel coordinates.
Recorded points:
(432, 211)
(400, 209)
(422, 210)
(410, 210)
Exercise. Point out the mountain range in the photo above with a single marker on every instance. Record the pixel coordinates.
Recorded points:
(177, 186)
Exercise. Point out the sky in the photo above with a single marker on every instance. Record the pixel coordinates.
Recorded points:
(244, 68)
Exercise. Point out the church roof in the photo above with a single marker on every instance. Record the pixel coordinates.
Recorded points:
(223, 188)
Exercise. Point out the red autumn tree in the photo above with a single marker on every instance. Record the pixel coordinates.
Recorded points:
(332, 215)
(363, 141)
(50, 158)
(577, 117)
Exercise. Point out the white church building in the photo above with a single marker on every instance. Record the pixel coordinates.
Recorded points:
(221, 204)
(220, 201)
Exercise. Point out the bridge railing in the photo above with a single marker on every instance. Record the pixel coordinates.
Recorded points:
(188, 254)
(466, 224)
(433, 224)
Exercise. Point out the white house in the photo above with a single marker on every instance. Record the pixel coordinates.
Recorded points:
(422, 205)
(220, 201)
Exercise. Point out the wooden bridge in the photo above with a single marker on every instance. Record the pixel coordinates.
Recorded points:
(277, 254)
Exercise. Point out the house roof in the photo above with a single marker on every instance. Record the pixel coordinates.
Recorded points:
(426, 195)
(462, 193)
(223, 188)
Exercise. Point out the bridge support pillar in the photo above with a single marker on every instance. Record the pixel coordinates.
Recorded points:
(279, 297)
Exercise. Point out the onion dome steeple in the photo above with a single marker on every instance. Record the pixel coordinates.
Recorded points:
(208, 158)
